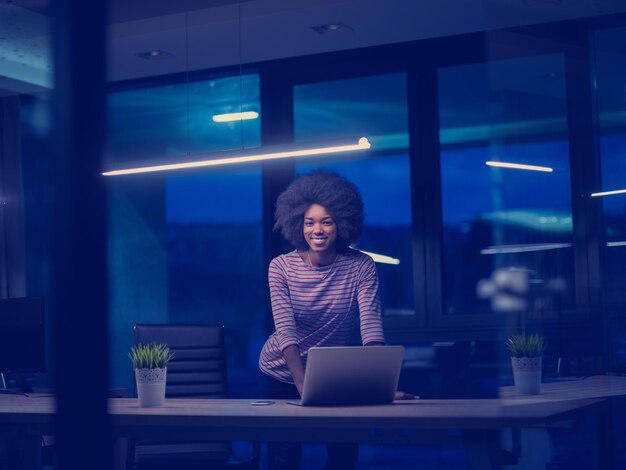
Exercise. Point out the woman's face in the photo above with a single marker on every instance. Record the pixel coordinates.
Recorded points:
(320, 230)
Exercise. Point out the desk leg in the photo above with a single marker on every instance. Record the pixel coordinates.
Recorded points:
(604, 437)
(120, 453)
(480, 447)
(20, 452)
(32, 446)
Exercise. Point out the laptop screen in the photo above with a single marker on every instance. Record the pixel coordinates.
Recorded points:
(351, 375)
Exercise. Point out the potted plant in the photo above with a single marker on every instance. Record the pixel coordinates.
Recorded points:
(526, 357)
(150, 363)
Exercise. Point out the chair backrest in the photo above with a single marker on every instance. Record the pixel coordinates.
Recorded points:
(198, 368)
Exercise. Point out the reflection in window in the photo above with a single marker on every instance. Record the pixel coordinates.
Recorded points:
(610, 74)
(496, 220)
(186, 247)
(374, 107)
(169, 120)
(215, 262)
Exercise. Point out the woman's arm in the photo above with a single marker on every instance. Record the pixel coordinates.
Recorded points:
(284, 322)
(370, 320)
(294, 363)
(282, 310)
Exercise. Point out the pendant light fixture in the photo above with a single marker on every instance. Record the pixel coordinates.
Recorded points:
(241, 155)
(246, 156)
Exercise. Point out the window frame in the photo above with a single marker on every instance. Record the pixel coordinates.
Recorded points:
(420, 61)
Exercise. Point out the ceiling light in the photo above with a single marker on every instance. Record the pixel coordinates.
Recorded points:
(250, 155)
(523, 248)
(229, 117)
(154, 54)
(609, 193)
(520, 166)
(331, 28)
(381, 258)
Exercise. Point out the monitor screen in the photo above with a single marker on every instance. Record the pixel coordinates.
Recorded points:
(22, 339)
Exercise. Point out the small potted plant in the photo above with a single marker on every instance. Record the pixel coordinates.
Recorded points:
(526, 357)
(150, 363)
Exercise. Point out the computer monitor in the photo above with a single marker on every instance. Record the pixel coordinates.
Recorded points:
(22, 337)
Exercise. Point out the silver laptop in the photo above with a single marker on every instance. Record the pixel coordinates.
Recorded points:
(351, 375)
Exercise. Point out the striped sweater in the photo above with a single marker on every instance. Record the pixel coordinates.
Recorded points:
(319, 306)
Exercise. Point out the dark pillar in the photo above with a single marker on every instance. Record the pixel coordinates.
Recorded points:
(79, 284)
(12, 263)
(276, 129)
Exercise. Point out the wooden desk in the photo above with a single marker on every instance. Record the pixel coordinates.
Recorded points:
(402, 421)
(238, 419)
(597, 386)
(610, 388)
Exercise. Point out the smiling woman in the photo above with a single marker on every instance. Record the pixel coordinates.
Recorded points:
(320, 292)
(375, 106)
(320, 233)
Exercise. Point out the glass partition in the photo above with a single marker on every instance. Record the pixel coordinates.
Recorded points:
(172, 117)
(609, 57)
(374, 107)
(505, 188)
(186, 246)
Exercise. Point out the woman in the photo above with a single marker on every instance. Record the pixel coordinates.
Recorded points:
(319, 292)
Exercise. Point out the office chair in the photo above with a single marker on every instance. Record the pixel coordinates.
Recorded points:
(198, 370)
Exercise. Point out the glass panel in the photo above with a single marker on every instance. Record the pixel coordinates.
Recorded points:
(186, 247)
(374, 107)
(168, 120)
(215, 263)
(507, 232)
(610, 74)
(26, 163)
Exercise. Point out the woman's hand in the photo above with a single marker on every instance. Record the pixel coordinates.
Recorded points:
(294, 363)
(405, 396)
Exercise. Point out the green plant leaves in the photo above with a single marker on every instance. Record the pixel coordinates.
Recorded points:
(150, 356)
(526, 346)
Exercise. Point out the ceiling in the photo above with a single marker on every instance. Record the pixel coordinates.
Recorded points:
(199, 34)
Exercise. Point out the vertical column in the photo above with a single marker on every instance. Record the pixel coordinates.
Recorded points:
(12, 256)
(585, 178)
(276, 128)
(79, 282)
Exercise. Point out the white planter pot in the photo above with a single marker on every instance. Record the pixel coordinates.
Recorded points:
(151, 386)
(527, 374)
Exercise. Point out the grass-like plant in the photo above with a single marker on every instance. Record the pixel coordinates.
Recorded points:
(526, 346)
(150, 356)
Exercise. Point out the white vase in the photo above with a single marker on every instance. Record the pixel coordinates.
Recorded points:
(527, 374)
(151, 386)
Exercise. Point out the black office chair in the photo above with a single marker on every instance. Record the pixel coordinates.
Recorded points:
(198, 370)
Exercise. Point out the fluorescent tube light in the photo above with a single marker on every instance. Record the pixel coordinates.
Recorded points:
(616, 243)
(520, 166)
(246, 156)
(230, 117)
(381, 258)
(524, 248)
(609, 193)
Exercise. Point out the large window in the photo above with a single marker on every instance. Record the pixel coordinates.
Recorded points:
(215, 271)
(610, 73)
(375, 107)
(186, 247)
(507, 229)
(168, 120)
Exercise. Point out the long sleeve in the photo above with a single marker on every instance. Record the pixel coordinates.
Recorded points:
(282, 310)
(319, 307)
(369, 304)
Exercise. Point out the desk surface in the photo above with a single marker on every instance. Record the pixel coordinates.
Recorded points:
(238, 419)
(598, 386)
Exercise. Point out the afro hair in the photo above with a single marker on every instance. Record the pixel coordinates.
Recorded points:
(336, 194)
